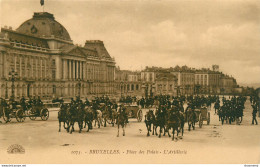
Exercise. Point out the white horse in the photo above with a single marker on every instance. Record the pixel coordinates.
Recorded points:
(98, 118)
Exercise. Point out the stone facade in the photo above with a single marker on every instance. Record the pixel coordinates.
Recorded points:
(128, 82)
(50, 65)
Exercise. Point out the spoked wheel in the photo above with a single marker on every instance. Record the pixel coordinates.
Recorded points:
(20, 115)
(44, 114)
(32, 113)
(208, 120)
(5, 115)
(139, 115)
(200, 121)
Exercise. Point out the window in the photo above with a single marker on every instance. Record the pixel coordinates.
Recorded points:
(137, 87)
(53, 62)
(54, 89)
(53, 72)
(151, 77)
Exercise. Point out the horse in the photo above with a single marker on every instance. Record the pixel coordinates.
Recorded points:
(62, 117)
(4, 111)
(97, 117)
(89, 116)
(76, 114)
(57, 100)
(181, 127)
(173, 122)
(149, 120)
(221, 115)
(191, 118)
(121, 120)
(109, 116)
(160, 121)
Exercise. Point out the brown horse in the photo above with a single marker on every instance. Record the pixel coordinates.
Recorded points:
(109, 115)
(173, 123)
(121, 120)
(75, 114)
(191, 118)
(160, 121)
(149, 121)
(89, 117)
(63, 117)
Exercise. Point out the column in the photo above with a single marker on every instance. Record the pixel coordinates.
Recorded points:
(73, 69)
(83, 71)
(36, 68)
(45, 69)
(76, 70)
(20, 67)
(69, 69)
(63, 69)
(31, 70)
(41, 74)
(79, 67)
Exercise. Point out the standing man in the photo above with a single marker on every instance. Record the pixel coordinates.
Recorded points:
(254, 114)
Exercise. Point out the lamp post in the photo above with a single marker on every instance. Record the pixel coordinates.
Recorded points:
(12, 77)
(121, 88)
(146, 91)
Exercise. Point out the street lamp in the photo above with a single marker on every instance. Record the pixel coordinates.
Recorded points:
(12, 77)
(146, 91)
(121, 87)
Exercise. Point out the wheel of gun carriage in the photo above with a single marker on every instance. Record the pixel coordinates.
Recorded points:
(20, 115)
(44, 114)
(5, 112)
(31, 112)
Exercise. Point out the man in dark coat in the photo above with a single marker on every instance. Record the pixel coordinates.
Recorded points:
(254, 114)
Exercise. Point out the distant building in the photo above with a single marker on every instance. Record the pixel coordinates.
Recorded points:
(185, 77)
(128, 82)
(227, 84)
(158, 81)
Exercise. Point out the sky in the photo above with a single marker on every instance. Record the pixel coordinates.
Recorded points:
(164, 33)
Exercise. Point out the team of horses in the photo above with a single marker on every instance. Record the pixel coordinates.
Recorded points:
(166, 120)
(86, 116)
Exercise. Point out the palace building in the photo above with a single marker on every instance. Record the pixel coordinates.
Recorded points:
(49, 65)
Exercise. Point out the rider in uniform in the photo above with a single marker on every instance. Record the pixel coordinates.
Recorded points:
(122, 109)
(87, 103)
(6, 108)
(38, 104)
(23, 103)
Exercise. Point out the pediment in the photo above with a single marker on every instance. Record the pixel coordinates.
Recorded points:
(76, 52)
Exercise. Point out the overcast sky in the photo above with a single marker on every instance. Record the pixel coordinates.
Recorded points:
(160, 33)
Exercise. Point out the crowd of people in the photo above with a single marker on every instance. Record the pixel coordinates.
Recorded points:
(232, 108)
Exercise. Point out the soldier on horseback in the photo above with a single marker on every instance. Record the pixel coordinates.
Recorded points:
(5, 108)
(216, 106)
(122, 110)
(78, 100)
(39, 105)
(23, 103)
(87, 103)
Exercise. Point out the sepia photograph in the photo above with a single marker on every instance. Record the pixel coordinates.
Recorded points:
(129, 82)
